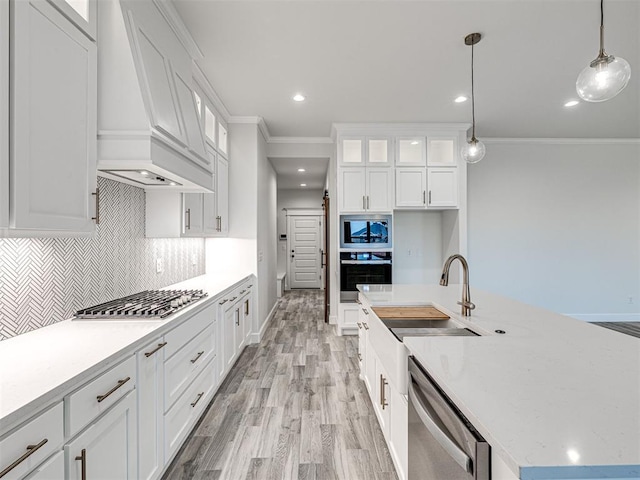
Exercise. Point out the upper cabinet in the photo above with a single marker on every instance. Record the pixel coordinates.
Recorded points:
(4, 114)
(410, 152)
(52, 121)
(365, 151)
(150, 115)
(82, 13)
(442, 150)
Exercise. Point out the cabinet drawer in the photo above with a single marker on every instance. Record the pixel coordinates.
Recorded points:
(183, 415)
(183, 367)
(43, 434)
(182, 334)
(88, 402)
(52, 468)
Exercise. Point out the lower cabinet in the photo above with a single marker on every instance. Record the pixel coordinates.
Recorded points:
(49, 470)
(107, 448)
(399, 430)
(236, 312)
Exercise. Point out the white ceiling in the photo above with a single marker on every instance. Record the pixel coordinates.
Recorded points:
(405, 61)
(314, 175)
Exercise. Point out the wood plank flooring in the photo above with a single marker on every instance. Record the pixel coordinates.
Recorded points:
(628, 328)
(292, 407)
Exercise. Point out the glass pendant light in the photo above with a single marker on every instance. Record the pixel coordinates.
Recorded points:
(604, 77)
(473, 151)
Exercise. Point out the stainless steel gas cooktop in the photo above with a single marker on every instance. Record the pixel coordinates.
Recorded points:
(150, 304)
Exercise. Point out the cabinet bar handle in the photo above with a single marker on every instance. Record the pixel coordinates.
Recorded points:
(383, 401)
(366, 327)
(83, 463)
(237, 317)
(160, 345)
(197, 357)
(246, 307)
(233, 298)
(120, 383)
(368, 207)
(364, 203)
(223, 301)
(218, 223)
(97, 217)
(242, 291)
(429, 197)
(250, 286)
(31, 449)
(197, 399)
(188, 219)
(366, 312)
(359, 325)
(424, 197)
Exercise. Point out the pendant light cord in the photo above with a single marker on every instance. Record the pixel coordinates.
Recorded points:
(601, 28)
(473, 102)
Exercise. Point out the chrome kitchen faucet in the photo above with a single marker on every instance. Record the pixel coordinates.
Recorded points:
(466, 303)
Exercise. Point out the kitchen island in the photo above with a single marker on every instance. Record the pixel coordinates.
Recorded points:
(555, 397)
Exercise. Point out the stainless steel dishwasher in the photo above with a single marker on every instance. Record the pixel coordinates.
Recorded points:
(443, 445)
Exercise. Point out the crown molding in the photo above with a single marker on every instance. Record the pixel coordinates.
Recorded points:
(560, 141)
(202, 80)
(305, 140)
(172, 16)
(262, 126)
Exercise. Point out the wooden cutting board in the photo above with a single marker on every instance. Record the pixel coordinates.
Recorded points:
(407, 313)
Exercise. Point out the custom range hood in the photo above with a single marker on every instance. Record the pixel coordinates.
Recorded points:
(149, 130)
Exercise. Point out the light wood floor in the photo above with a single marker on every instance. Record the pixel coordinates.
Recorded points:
(292, 407)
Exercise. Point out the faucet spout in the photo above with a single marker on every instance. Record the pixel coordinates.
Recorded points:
(466, 303)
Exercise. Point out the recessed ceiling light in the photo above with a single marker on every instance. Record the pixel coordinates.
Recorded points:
(303, 184)
(301, 170)
(571, 103)
(298, 97)
(415, 142)
(173, 184)
(144, 172)
(461, 99)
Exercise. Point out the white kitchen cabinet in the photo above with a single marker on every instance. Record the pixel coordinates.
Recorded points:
(380, 396)
(193, 221)
(209, 125)
(411, 187)
(247, 316)
(373, 151)
(366, 189)
(210, 221)
(229, 335)
(410, 152)
(442, 150)
(191, 120)
(222, 196)
(4, 115)
(150, 361)
(53, 122)
(399, 431)
(442, 187)
(83, 14)
(107, 449)
(223, 142)
(52, 469)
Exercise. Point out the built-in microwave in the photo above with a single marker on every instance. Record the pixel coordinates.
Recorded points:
(365, 231)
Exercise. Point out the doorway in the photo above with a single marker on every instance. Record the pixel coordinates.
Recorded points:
(304, 249)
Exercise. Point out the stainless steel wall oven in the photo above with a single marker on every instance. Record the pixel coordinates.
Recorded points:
(362, 268)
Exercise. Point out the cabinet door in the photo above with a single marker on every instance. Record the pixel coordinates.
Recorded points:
(247, 317)
(150, 388)
(370, 369)
(411, 187)
(239, 327)
(210, 217)
(381, 400)
(229, 337)
(54, 133)
(82, 13)
(222, 139)
(156, 78)
(193, 129)
(209, 125)
(351, 151)
(442, 150)
(193, 214)
(379, 152)
(379, 189)
(442, 187)
(410, 152)
(4, 114)
(49, 470)
(362, 344)
(222, 195)
(352, 189)
(109, 445)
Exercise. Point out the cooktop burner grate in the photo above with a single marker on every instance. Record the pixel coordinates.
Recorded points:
(150, 304)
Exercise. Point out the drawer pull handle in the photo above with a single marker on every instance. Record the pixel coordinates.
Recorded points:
(366, 312)
(383, 400)
(97, 217)
(242, 291)
(366, 327)
(359, 325)
(233, 298)
(197, 399)
(250, 286)
(246, 307)
(223, 301)
(160, 345)
(31, 449)
(120, 383)
(83, 463)
(197, 357)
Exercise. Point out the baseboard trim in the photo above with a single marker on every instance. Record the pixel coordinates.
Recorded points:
(605, 317)
(347, 330)
(256, 337)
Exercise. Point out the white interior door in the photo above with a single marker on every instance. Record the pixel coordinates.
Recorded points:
(305, 243)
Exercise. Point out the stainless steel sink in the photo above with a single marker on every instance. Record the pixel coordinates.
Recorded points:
(400, 333)
(414, 323)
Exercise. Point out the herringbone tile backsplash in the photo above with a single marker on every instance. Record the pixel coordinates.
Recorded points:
(45, 280)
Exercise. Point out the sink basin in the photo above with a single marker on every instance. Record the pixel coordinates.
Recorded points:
(419, 323)
(400, 333)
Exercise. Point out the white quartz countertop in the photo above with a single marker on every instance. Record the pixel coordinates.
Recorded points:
(38, 366)
(555, 397)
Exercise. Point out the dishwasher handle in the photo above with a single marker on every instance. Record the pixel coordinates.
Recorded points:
(455, 452)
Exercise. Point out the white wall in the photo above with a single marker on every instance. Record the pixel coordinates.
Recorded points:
(558, 225)
(292, 198)
(267, 244)
(417, 246)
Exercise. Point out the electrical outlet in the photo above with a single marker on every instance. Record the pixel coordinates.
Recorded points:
(194, 260)
(159, 265)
